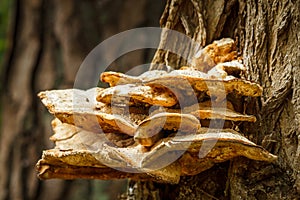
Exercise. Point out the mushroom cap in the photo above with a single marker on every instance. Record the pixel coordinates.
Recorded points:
(219, 51)
(77, 107)
(131, 94)
(214, 87)
(115, 78)
(207, 146)
(211, 110)
(151, 129)
(232, 68)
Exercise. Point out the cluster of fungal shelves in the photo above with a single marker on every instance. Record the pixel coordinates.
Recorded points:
(149, 127)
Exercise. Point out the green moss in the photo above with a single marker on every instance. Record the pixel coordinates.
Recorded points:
(5, 10)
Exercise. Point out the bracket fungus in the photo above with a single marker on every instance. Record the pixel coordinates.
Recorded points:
(147, 127)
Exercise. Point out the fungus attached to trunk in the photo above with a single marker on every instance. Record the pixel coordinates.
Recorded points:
(149, 127)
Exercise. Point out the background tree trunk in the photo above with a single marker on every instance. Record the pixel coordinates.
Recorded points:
(48, 41)
(267, 35)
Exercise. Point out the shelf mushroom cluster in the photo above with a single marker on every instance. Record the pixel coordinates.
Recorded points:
(156, 126)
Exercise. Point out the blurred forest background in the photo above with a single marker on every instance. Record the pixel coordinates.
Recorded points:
(42, 44)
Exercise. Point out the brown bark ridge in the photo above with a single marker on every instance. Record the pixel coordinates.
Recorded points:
(48, 42)
(267, 36)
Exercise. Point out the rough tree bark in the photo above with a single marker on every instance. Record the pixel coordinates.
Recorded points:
(48, 41)
(267, 35)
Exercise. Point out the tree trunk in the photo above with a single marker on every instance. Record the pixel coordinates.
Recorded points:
(48, 41)
(267, 36)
